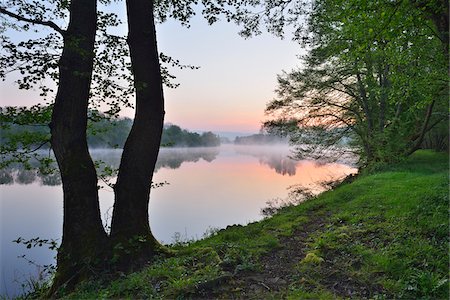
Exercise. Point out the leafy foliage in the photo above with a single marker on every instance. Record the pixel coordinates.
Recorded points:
(33, 55)
(36, 59)
(374, 79)
(23, 131)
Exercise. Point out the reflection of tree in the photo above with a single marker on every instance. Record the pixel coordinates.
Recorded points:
(26, 176)
(299, 193)
(281, 165)
(51, 179)
(6, 177)
(168, 158)
(17, 174)
(274, 157)
(173, 158)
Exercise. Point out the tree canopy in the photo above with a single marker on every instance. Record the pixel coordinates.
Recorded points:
(375, 79)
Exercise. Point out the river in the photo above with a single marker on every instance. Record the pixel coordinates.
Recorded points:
(208, 189)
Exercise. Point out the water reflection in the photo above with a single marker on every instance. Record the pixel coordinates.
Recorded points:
(170, 158)
(277, 158)
(51, 179)
(26, 176)
(6, 177)
(19, 175)
(209, 187)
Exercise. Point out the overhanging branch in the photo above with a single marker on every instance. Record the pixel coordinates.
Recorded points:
(32, 21)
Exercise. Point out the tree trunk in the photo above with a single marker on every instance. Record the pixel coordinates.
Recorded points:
(417, 142)
(83, 235)
(364, 102)
(368, 124)
(130, 222)
(384, 85)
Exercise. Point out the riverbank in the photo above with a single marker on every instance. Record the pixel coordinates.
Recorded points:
(385, 235)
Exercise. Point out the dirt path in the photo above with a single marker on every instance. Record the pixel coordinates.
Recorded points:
(277, 268)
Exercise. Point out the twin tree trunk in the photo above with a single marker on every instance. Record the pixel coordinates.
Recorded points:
(85, 244)
(132, 190)
(83, 233)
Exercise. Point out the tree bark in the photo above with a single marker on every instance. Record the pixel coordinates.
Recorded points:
(130, 222)
(417, 142)
(83, 238)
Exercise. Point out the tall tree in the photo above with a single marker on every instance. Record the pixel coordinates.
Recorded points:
(84, 238)
(130, 221)
(85, 244)
(375, 74)
(85, 72)
(431, 24)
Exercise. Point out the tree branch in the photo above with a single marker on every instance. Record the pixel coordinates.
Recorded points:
(33, 21)
(35, 149)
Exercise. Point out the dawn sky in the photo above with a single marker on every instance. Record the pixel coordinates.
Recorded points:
(236, 78)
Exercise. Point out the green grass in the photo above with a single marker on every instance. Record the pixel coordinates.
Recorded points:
(389, 231)
(383, 236)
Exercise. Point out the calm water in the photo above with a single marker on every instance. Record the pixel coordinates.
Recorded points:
(208, 188)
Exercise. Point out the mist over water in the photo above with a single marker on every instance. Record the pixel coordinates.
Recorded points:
(208, 188)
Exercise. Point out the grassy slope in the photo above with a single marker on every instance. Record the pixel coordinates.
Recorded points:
(383, 236)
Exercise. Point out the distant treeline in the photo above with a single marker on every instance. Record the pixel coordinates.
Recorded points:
(174, 136)
(112, 133)
(260, 139)
(108, 133)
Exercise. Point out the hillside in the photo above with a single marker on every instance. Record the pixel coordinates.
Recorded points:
(383, 236)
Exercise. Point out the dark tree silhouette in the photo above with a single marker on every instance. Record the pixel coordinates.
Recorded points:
(130, 220)
(84, 238)
(85, 245)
